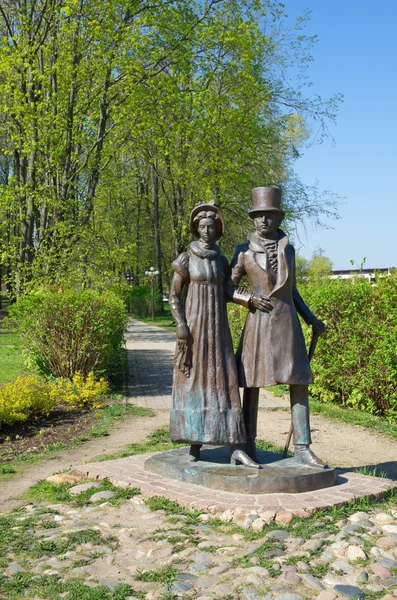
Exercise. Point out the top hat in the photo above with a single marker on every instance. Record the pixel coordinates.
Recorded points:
(266, 199)
(205, 207)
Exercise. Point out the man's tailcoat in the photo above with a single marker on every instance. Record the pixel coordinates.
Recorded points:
(272, 348)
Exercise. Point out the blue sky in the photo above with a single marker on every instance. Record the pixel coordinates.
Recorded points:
(356, 55)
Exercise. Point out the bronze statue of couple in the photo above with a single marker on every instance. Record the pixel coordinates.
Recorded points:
(206, 404)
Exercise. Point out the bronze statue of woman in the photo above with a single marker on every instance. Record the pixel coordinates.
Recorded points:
(206, 405)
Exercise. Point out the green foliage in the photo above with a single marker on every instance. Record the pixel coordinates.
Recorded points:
(319, 266)
(138, 299)
(316, 269)
(301, 269)
(118, 116)
(28, 396)
(355, 363)
(236, 315)
(65, 331)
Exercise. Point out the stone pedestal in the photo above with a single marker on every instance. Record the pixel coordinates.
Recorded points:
(214, 471)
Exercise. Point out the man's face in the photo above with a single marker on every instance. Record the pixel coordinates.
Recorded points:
(266, 222)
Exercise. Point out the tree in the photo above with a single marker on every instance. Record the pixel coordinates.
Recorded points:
(119, 116)
(320, 266)
(302, 269)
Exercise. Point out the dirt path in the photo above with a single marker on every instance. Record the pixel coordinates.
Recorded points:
(340, 444)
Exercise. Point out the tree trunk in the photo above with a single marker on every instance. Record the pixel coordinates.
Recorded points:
(155, 195)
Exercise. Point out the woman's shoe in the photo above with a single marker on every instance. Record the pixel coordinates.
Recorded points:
(194, 452)
(239, 457)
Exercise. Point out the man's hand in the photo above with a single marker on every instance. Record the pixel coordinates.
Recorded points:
(183, 332)
(262, 303)
(318, 326)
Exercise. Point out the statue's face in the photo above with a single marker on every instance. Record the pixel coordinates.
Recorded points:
(207, 231)
(266, 222)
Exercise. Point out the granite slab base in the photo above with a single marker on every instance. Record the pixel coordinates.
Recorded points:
(214, 471)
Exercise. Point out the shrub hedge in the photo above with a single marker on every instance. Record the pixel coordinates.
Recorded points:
(355, 362)
(65, 331)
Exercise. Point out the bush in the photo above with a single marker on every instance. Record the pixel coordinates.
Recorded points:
(67, 332)
(27, 396)
(355, 362)
(80, 392)
(236, 315)
(138, 299)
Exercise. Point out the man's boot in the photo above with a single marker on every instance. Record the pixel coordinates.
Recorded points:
(304, 455)
(299, 395)
(250, 413)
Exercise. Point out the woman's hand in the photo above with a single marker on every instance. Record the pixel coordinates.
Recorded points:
(183, 332)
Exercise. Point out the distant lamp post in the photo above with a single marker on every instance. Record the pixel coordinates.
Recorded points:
(152, 274)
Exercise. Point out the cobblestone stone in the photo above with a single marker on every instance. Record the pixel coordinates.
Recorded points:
(148, 541)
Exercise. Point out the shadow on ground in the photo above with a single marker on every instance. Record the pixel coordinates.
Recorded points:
(154, 375)
(385, 469)
(152, 334)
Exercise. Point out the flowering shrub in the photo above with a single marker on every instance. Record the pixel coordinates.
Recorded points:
(80, 391)
(27, 396)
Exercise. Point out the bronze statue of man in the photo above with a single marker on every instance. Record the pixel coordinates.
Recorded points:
(272, 348)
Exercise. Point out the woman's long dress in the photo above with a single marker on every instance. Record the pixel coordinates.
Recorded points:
(206, 406)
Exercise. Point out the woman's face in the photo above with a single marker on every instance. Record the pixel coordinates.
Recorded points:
(207, 230)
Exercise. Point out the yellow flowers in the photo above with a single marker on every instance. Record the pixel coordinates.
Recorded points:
(30, 396)
(80, 391)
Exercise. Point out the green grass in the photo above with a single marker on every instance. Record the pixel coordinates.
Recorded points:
(354, 417)
(106, 418)
(270, 447)
(165, 575)
(45, 491)
(173, 508)
(11, 359)
(165, 320)
(52, 588)
(372, 472)
(158, 440)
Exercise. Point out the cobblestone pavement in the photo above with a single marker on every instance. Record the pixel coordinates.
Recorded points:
(150, 356)
(155, 550)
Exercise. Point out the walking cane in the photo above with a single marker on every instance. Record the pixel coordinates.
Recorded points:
(313, 343)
